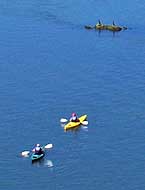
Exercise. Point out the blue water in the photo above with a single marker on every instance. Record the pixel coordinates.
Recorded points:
(50, 66)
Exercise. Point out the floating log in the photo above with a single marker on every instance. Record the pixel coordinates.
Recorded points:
(100, 26)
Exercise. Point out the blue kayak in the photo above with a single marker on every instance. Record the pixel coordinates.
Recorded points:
(35, 157)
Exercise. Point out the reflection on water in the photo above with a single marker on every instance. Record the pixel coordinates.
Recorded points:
(43, 163)
(48, 163)
(85, 128)
(62, 125)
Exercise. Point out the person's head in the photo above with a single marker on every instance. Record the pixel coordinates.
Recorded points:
(74, 114)
(38, 145)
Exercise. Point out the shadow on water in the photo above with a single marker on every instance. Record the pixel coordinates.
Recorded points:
(60, 21)
(33, 13)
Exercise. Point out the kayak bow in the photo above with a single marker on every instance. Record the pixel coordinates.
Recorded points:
(36, 157)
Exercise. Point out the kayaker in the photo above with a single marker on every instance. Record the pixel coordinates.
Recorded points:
(38, 149)
(99, 23)
(113, 24)
(74, 117)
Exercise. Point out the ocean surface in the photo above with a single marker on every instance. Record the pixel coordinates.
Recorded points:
(51, 66)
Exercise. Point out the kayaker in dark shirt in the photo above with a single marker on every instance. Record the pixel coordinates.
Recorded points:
(38, 149)
(74, 118)
(113, 24)
(99, 23)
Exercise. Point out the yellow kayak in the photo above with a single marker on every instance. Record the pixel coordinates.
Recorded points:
(71, 124)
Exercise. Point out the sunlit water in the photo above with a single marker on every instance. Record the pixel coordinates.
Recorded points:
(50, 66)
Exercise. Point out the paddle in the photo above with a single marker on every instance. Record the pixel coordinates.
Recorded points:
(26, 153)
(64, 120)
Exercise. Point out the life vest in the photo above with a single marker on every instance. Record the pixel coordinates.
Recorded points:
(38, 150)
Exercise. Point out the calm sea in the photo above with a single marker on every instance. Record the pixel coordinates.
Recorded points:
(51, 66)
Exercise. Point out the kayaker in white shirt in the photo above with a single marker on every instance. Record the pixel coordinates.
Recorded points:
(74, 117)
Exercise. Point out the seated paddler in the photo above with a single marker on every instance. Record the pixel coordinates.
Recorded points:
(99, 23)
(37, 150)
(74, 118)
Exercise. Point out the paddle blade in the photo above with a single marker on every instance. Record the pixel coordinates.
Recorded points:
(63, 120)
(48, 146)
(85, 123)
(25, 153)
